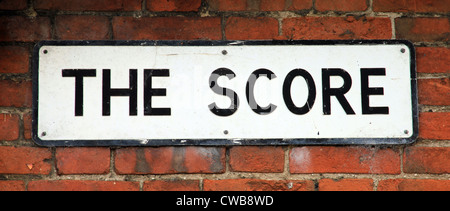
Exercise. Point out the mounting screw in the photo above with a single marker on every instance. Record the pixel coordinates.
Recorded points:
(44, 133)
(225, 132)
(224, 52)
(402, 50)
(406, 131)
(45, 51)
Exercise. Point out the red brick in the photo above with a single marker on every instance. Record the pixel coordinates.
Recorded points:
(18, 28)
(257, 159)
(281, 5)
(257, 185)
(174, 5)
(434, 125)
(15, 94)
(9, 127)
(14, 59)
(88, 5)
(341, 5)
(13, 4)
(299, 4)
(24, 160)
(259, 5)
(272, 5)
(172, 185)
(239, 28)
(411, 6)
(316, 159)
(434, 91)
(414, 185)
(426, 160)
(75, 27)
(308, 28)
(82, 185)
(27, 120)
(423, 29)
(227, 5)
(167, 28)
(433, 59)
(168, 160)
(83, 160)
(12, 185)
(346, 185)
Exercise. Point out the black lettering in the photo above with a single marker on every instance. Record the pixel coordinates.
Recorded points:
(149, 92)
(287, 91)
(250, 91)
(223, 91)
(78, 74)
(366, 91)
(327, 92)
(108, 92)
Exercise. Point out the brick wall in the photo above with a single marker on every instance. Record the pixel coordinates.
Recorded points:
(424, 165)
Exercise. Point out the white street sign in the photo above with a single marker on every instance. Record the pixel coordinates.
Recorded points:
(224, 92)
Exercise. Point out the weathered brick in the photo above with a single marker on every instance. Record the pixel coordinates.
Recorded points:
(434, 125)
(257, 159)
(433, 59)
(434, 91)
(337, 28)
(259, 5)
(346, 185)
(88, 5)
(76, 27)
(169, 160)
(83, 160)
(14, 59)
(167, 28)
(13, 4)
(27, 120)
(423, 29)
(240, 28)
(227, 5)
(18, 28)
(411, 6)
(82, 185)
(341, 5)
(272, 5)
(15, 94)
(299, 4)
(9, 127)
(12, 185)
(284, 5)
(317, 159)
(174, 5)
(414, 185)
(172, 185)
(257, 185)
(426, 160)
(24, 160)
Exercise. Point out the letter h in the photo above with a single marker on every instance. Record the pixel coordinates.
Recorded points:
(108, 92)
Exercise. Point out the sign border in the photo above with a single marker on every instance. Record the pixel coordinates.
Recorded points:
(222, 142)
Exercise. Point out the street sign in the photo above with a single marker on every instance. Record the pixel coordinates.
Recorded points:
(133, 93)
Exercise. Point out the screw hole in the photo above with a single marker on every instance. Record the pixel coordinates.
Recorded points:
(224, 52)
(225, 132)
(406, 131)
(402, 50)
(45, 51)
(43, 133)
